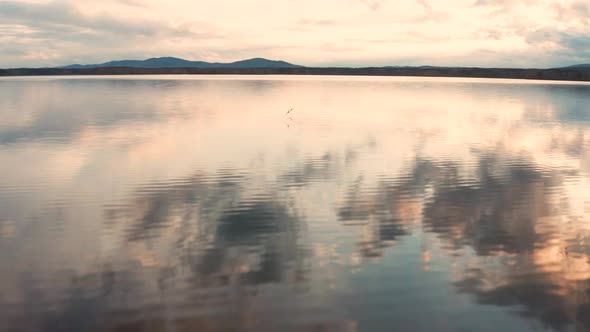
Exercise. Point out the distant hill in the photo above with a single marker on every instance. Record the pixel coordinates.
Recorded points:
(580, 66)
(170, 62)
(419, 67)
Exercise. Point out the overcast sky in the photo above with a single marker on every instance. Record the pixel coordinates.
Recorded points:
(508, 33)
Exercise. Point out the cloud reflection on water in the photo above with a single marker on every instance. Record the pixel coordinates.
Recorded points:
(195, 207)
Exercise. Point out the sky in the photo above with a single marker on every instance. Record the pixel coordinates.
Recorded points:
(486, 33)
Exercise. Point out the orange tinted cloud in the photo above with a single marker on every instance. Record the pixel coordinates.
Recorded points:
(331, 32)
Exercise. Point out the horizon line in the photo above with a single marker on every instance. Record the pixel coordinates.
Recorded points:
(570, 66)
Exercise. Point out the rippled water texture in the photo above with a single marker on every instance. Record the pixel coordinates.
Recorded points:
(378, 204)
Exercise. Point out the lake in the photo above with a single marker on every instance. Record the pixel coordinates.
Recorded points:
(196, 203)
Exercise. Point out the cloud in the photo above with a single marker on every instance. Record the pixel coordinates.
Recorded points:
(502, 3)
(62, 32)
(578, 41)
(318, 22)
(49, 31)
(576, 11)
(134, 3)
(373, 4)
(491, 2)
(494, 34)
(62, 16)
(503, 7)
(430, 14)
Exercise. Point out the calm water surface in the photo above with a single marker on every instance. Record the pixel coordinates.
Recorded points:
(177, 203)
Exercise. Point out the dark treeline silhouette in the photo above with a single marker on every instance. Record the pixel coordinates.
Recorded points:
(575, 74)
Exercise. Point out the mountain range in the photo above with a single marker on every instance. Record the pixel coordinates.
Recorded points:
(170, 62)
(580, 66)
(254, 63)
(261, 66)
